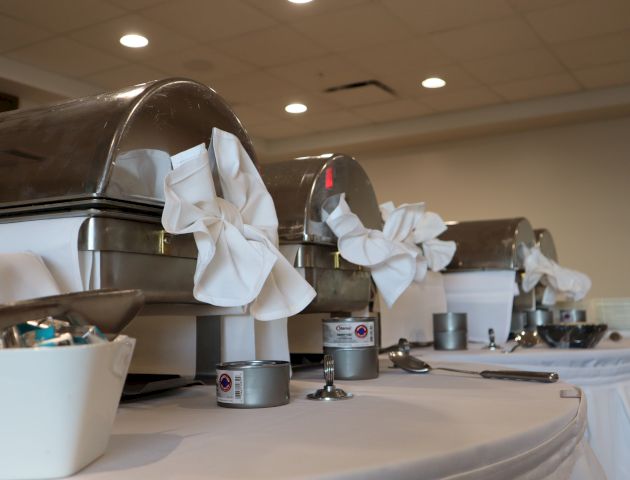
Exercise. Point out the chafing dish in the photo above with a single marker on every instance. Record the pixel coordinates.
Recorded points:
(302, 188)
(493, 245)
(103, 159)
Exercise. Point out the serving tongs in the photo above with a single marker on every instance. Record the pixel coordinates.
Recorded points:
(403, 359)
(108, 309)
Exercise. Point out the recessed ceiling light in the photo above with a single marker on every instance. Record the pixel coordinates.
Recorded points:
(295, 108)
(134, 41)
(433, 82)
(300, 1)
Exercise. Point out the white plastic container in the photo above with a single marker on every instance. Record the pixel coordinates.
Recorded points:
(58, 405)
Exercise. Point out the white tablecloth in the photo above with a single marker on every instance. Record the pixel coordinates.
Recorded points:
(603, 374)
(399, 426)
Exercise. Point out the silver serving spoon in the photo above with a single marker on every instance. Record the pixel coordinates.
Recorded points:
(525, 339)
(415, 365)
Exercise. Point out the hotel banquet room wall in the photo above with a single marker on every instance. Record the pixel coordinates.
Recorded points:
(572, 179)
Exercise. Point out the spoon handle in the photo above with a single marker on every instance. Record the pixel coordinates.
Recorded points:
(545, 377)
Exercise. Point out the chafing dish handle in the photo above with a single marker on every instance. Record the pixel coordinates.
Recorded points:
(544, 377)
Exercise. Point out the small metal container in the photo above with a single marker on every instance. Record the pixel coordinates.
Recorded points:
(536, 318)
(253, 383)
(353, 344)
(450, 331)
(572, 315)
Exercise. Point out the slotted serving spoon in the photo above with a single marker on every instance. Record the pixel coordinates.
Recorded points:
(413, 364)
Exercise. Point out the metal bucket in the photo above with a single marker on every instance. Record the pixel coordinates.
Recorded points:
(253, 384)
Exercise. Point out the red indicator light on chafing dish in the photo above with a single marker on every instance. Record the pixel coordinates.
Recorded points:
(330, 179)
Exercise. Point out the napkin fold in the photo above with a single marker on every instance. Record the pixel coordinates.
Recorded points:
(557, 280)
(436, 254)
(239, 263)
(393, 262)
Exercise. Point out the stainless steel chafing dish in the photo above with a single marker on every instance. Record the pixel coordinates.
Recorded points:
(104, 158)
(493, 245)
(301, 189)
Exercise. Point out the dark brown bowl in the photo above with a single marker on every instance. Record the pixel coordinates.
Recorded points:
(572, 335)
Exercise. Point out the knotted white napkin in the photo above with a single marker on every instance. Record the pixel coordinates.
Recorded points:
(238, 263)
(557, 280)
(436, 254)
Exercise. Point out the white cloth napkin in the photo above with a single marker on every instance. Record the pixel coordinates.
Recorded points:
(23, 275)
(436, 253)
(140, 173)
(238, 263)
(392, 261)
(393, 255)
(558, 280)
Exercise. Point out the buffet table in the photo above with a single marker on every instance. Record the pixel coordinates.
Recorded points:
(602, 373)
(398, 426)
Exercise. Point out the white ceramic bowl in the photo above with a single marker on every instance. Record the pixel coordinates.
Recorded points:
(58, 405)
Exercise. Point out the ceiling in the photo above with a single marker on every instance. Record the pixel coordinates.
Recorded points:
(263, 54)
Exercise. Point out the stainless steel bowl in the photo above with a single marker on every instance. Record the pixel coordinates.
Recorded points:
(572, 335)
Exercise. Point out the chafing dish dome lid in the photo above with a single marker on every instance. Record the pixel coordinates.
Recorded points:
(302, 186)
(545, 242)
(84, 150)
(489, 244)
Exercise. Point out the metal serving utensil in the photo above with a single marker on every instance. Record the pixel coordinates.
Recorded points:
(413, 364)
(525, 339)
(108, 309)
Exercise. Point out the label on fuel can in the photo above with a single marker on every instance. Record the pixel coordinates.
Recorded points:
(349, 334)
(230, 386)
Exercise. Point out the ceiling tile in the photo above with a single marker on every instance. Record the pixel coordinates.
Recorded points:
(200, 63)
(106, 36)
(250, 115)
(408, 83)
(530, 5)
(60, 15)
(66, 57)
(605, 75)
(394, 110)
(436, 15)
(611, 48)
(354, 27)
(275, 130)
(537, 87)
(514, 66)
(398, 56)
(316, 103)
(580, 19)
(205, 20)
(330, 121)
(15, 34)
(487, 39)
(320, 73)
(288, 12)
(469, 98)
(271, 47)
(126, 76)
(251, 87)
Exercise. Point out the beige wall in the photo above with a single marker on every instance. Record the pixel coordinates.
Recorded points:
(573, 180)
